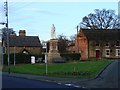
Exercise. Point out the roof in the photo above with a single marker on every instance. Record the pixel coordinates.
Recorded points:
(25, 41)
(97, 34)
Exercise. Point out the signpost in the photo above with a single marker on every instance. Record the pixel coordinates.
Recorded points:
(45, 46)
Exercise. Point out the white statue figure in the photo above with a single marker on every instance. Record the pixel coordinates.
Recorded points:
(53, 35)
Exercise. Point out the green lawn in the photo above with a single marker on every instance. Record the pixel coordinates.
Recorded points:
(86, 69)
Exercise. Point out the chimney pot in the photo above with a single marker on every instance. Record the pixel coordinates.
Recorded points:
(22, 33)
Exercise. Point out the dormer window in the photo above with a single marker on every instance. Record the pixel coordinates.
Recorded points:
(117, 43)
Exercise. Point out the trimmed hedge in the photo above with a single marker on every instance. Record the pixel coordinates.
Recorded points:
(21, 58)
(70, 56)
(26, 58)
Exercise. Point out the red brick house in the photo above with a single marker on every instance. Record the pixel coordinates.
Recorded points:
(98, 43)
(23, 44)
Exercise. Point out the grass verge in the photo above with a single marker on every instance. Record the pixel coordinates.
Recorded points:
(87, 69)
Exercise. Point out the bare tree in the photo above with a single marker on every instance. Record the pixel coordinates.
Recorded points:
(5, 31)
(102, 19)
(62, 43)
(72, 38)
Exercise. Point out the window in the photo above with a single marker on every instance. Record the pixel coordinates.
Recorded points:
(117, 52)
(107, 44)
(97, 43)
(117, 43)
(107, 51)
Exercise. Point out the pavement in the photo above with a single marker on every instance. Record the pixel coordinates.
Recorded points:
(107, 78)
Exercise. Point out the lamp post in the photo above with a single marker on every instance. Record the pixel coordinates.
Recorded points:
(2, 23)
(6, 15)
(14, 55)
(77, 40)
(45, 46)
(8, 52)
(1, 50)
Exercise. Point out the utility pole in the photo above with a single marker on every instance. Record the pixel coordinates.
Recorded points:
(77, 40)
(46, 62)
(6, 15)
(14, 55)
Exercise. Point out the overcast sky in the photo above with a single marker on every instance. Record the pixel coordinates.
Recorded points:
(37, 16)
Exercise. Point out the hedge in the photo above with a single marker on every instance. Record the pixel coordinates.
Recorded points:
(21, 58)
(26, 58)
(70, 56)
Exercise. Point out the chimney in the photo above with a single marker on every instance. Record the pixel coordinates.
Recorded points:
(22, 33)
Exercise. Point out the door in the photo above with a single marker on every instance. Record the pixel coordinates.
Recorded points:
(97, 54)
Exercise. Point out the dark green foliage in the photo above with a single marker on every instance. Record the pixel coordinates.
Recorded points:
(20, 58)
(70, 56)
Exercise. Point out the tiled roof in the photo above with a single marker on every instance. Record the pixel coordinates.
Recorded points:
(107, 35)
(25, 41)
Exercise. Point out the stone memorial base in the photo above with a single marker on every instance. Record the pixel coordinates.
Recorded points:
(54, 55)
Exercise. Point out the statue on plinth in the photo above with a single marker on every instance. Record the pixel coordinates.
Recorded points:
(54, 55)
(53, 41)
(53, 34)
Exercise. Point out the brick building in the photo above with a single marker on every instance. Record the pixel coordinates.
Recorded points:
(23, 44)
(71, 48)
(98, 44)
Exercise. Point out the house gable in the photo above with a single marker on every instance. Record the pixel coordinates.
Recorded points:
(23, 43)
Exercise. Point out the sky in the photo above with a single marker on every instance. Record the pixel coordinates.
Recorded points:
(37, 16)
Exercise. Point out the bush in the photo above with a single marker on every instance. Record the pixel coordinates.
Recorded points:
(19, 57)
(70, 56)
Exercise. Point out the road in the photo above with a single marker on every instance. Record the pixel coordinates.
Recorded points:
(13, 82)
(109, 78)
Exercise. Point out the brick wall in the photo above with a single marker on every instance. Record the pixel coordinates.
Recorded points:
(81, 45)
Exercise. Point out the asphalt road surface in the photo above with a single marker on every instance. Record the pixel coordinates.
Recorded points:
(109, 78)
(13, 82)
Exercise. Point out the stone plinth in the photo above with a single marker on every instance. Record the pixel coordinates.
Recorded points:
(54, 57)
(53, 54)
(53, 46)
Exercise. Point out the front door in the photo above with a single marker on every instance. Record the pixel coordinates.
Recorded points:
(97, 54)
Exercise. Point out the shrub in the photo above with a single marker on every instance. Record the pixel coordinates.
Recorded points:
(70, 56)
(19, 58)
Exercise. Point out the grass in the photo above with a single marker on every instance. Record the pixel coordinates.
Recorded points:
(87, 69)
